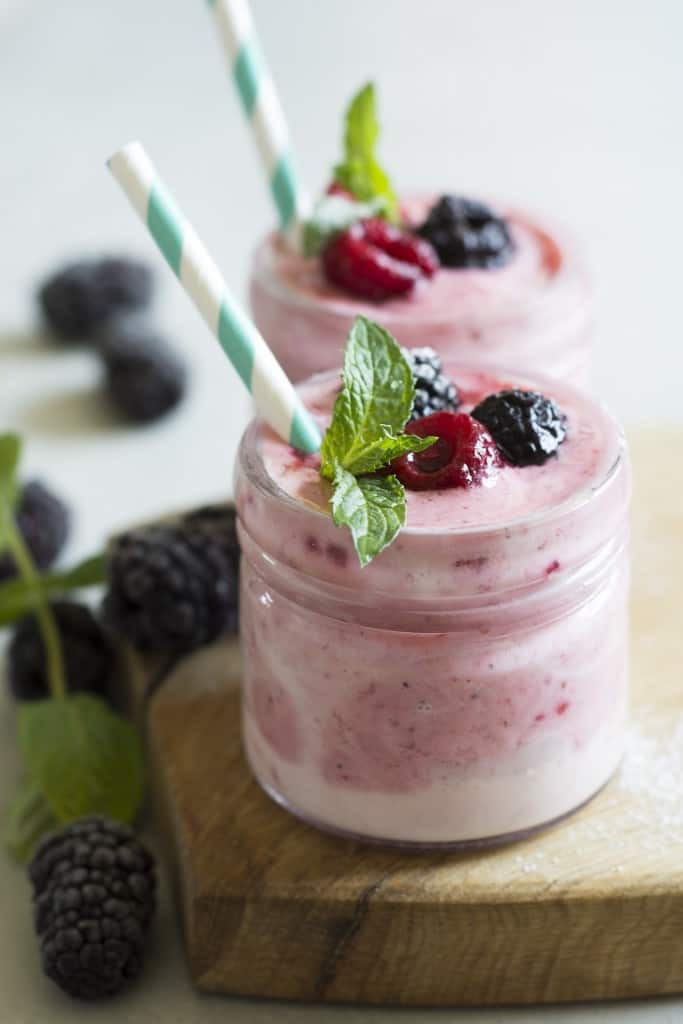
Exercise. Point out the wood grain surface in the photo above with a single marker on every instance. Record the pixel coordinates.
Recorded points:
(592, 909)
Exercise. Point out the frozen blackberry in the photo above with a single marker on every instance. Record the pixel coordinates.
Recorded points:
(144, 376)
(174, 587)
(43, 520)
(434, 392)
(93, 896)
(83, 296)
(466, 233)
(527, 427)
(88, 655)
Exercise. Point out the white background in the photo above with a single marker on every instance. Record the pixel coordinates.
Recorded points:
(571, 108)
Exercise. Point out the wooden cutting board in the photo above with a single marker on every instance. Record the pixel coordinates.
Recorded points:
(592, 909)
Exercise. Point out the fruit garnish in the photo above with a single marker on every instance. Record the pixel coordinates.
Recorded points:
(375, 260)
(360, 171)
(466, 233)
(333, 214)
(527, 427)
(464, 455)
(434, 392)
(365, 436)
(83, 296)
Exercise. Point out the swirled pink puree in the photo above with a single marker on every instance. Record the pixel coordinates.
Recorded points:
(583, 461)
(471, 682)
(534, 313)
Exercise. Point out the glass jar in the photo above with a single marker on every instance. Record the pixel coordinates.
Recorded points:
(536, 313)
(466, 688)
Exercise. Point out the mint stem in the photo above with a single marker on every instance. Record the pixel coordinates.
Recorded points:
(46, 621)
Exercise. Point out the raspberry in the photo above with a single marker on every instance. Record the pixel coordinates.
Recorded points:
(434, 392)
(43, 520)
(94, 896)
(88, 654)
(335, 189)
(464, 455)
(527, 427)
(374, 260)
(465, 233)
(144, 376)
(83, 296)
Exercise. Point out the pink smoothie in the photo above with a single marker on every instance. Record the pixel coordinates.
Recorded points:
(470, 684)
(534, 313)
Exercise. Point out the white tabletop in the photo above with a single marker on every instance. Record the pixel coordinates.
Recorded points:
(570, 109)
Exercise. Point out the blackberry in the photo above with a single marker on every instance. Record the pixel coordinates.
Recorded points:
(465, 233)
(43, 520)
(527, 427)
(144, 376)
(83, 296)
(88, 655)
(434, 392)
(93, 897)
(174, 587)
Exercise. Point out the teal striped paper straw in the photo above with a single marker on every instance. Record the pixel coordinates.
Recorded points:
(261, 105)
(273, 394)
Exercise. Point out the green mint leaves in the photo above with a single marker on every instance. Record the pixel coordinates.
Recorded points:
(360, 171)
(365, 435)
(80, 757)
(332, 215)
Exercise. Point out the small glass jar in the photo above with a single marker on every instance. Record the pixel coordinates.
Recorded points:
(535, 313)
(466, 688)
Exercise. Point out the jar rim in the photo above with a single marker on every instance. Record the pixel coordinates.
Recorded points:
(251, 461)
(571, 272)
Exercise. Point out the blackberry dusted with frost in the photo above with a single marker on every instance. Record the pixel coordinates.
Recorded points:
(527, 427)
(434, 391)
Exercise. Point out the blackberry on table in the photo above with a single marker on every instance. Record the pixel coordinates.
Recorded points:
(144, 376)
(88, 654)
(83, 296)
(434, 392)
(527, 426)
(94, 896)
(43, 521)
(466, 233)
(175, 587)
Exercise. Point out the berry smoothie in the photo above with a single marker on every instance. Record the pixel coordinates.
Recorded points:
(470, 684)
(534, 310)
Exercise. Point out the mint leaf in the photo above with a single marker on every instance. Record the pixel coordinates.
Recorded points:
(83, 758)
(360, 171)
(373, 508)
(383, 451)
(28, 818)
(19, 596)
(332, 215)
(375, 401)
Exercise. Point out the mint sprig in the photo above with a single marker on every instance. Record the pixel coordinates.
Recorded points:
(80, 757)
(365, 435)
(360, 171)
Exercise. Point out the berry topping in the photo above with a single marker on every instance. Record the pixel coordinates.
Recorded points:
(465, 233)
(43, 520)
(463, 456)
(434, 392)
(375, 260)
(144, 376)
(175, 587)
(88, 654)
(527, 427)
(83, 296)
(335, 189)
(94, 896)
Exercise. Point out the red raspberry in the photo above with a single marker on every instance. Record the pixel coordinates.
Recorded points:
(376, 261)
(464, 455)
(335, 189)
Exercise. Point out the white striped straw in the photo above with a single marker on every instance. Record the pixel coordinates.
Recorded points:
(260, 101)
(273, 394)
